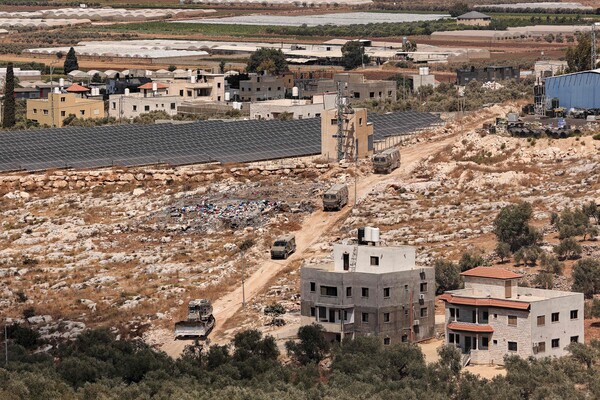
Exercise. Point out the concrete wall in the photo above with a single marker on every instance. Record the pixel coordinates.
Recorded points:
(121, 106)
(58, 106)
(474, 22)
(358, 88)
(402, 285)
(391, 259)
(494, 288)
(268, 110)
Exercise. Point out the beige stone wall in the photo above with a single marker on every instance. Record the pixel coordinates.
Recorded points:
(356, 127)
(475, 22)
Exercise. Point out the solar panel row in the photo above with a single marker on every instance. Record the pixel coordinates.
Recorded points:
(198, 142)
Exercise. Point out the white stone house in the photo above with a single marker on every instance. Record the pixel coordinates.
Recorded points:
(493, 317)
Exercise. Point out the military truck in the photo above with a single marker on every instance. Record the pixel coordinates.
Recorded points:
(386, 161)
(335, 198)
(283, 247)
(199, 323)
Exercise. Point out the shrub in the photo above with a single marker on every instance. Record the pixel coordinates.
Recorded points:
(586, 276)
(568, 248)
(311, 346)
(470, 259)
(511, 226)
(447, 276)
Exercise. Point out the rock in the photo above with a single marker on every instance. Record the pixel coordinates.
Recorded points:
(138, 192)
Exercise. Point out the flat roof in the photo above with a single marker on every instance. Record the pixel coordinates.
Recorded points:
(489, 272)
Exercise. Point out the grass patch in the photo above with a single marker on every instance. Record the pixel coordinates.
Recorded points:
(186, 29)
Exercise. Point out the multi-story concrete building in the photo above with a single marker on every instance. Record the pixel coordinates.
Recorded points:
(357, 88)
(474, 18)
(370, 289)
(357, 136)
(493, 317)
(296, 108)
(198, 86)
(153, 96)
(265, 87)
(58, 106)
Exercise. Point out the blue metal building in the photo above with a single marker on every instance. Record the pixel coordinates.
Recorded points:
(577, 90)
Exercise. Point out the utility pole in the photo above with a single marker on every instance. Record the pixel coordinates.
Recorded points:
(243, 279)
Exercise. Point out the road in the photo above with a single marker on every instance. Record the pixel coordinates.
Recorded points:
(314, 227)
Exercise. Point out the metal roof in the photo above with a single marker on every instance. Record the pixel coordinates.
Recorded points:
(473, 15)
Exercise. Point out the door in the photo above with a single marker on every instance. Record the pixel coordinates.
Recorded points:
(331, 315)
(346, 258)
(467, 344)
(507, 289)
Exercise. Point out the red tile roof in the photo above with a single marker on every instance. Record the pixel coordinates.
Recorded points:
(487, 302)
(461, 326)
(149, 86)
(489, 272)
(75, 88)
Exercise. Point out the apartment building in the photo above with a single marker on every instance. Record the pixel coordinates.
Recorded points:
(58, 106)
(357, 88)
(265, 87)
(152, 96)
(198, 86)
(493, 317)
(296, 108)
(370, 289)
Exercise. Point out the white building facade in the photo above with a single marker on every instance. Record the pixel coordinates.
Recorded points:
(493, 317)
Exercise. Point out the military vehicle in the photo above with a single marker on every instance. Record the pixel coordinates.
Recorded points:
(386, 161)
(335, 198)
(283, 246)
(199, 323)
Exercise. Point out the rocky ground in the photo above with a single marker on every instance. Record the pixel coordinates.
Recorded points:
(128, 248)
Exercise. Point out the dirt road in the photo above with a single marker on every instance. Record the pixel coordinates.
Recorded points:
(313, 228)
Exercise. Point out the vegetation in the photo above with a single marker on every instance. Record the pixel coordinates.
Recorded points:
(458, 9)
(353, 55)
(96, 366)
(271, 61)
(579, 56)
(511, 226)
(311, 347)
(71, 63)
(503, 251)
(470, 259)
(572, 223)
(586, 276)
(568, 248)
(447, 276)
(9, 106)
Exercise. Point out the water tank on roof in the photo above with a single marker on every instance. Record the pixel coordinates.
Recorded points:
(371, 234)
(126, 91)
(61, 82)
(227, 96)
(424, 71)
(295, 91)
(154, 87)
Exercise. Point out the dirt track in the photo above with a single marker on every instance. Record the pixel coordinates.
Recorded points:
(313, 228)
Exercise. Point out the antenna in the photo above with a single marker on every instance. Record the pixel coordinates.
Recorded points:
(342, 133)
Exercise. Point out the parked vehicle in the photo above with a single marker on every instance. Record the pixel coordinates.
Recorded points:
(335, 198)
(386, 161)
(283, 246)
(200, 320)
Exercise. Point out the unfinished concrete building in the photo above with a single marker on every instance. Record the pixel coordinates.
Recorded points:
(356, 137)
(357, 88)
(370, 289)
(262, 87)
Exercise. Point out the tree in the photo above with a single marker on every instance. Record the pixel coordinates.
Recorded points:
(551, 264)
(579, 57)
(171, 68)
(511, 226)
(8, 110)
(470, 259)
(71, 63)
(592, 211)
(544, 280)
(571, 223)
(583, 353)
(353, 55)
(447, 275)
(568, 248)
(529, 255)
(450, 358)
(311, 346)
(458, 9)
(97, 78)
(271, 61)
(222, 65)
(503, 251)
(586, 277)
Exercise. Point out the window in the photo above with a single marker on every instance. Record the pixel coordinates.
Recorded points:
(406, 288)
(146, 108)
(45, 112)
(360, 121)
(62, 99)
(555, 343)
(512, 346)
(348, 292)
(406, 312)
(258, 89)
(372, 94)
(574, 339)
(386, 341)
(386, 317)
(181, 93)
(329, 291)
(333, 121)
(114, 105)
(82, 112)
(365, 317)
(365, 292)
(313, 287)
(452, 312)
(173, 106)
(451, 338)
(35, 110)
(63, 113)
(495, 342)
(269, 88)
(134, 108)
(512, 320)
(423, 287)
(541, 320)
(389, 93)
(485, 316)
(357, 95)
(423, 312)
(386, 292)
(555, 317)
(574, 314)
(485, 341)
(456, 338)
(313, 312)
(404, 338)
(189, 93)
(541, 347)
(218, 85)
(374, 260)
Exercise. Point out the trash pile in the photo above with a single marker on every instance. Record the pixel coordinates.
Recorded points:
(232, 215)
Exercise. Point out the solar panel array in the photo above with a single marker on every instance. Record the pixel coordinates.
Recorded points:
(198, 142)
